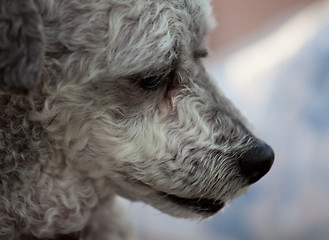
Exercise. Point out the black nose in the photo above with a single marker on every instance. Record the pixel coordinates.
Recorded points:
(256, 162)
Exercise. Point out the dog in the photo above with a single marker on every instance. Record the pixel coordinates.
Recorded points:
(110, 98)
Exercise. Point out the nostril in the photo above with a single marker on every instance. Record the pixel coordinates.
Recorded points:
(256, 162)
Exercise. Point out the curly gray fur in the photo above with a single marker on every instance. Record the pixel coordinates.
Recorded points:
(21, 46)
(124, 107)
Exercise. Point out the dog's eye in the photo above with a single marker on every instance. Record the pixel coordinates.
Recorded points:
(151, 82)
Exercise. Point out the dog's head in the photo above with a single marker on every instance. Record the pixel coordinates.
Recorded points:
(141, 115)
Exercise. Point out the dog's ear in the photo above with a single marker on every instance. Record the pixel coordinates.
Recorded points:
(21, 46)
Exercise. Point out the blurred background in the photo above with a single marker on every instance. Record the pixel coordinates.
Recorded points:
(271, 58)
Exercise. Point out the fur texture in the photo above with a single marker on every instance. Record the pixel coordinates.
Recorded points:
(21, 46)
(124, 107)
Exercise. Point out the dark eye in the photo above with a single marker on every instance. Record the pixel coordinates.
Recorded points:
(151, 82)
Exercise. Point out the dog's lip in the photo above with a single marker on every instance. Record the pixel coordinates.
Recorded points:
(199, 205)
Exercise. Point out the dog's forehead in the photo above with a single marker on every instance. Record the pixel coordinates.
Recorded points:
(156, 32)
(187, 18)
(201, 13)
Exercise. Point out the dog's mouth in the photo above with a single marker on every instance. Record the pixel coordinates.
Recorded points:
(199, 205)
(202, 206)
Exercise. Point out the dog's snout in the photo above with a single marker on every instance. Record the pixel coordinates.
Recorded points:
(256, 162)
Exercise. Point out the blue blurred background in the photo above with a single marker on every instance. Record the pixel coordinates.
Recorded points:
(279, 79)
